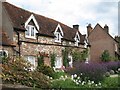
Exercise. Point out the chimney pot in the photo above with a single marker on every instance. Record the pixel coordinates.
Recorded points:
(106, 28)
(89, 29)
(76, 27)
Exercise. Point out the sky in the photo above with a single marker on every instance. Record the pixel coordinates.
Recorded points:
(72, 12)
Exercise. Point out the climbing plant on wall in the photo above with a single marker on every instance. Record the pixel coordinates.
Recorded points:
(65, 53)
(53, 56)
(80, 55)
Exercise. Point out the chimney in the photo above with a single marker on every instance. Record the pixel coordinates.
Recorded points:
(76, 27)
(106, 28)
(89, 29)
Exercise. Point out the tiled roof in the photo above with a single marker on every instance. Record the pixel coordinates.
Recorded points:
(5, 40)
(47, 26)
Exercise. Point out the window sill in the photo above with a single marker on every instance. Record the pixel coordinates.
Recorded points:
(29, 37)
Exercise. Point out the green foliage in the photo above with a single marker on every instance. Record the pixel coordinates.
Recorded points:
(110, 82)
(80, 56)
(105, 56)
(57, 75)
(68, 83)
(40, 60)
(45, 70)
(53, 56)
(18, 72)
(65, 57)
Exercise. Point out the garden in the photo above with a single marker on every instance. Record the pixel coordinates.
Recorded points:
(95, 75)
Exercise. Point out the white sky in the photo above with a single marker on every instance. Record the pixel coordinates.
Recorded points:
(79, 12)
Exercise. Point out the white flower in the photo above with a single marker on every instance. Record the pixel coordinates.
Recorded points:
(92, 82)
(79, 81)
(65, 76)
(81, 74)
(82, 83)
(51, 78)
(72, 76)
(99, 83)
(78, 77)
(95, 84)
(75, 75)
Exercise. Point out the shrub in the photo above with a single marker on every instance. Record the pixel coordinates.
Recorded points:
(112, 65)
(107, 74)
(57, 75)
(105, 56)
(18, 72)
(92, 71)
(80, 56)
(112, 72)
(45, 70)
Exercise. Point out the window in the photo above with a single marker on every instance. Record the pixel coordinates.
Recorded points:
(31, 32)
(58, 62)
(116, 47)
(31, 59)
(77, 39)
(3, 53)
(58, 34)
(58, 37)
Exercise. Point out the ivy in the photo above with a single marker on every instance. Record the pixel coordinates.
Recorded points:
(40, 60)
(80, 55)
(53, 56)
(65, 53)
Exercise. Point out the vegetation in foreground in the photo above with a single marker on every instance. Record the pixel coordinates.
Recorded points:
(83, 75)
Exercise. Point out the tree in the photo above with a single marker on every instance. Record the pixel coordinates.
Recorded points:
(105, 56)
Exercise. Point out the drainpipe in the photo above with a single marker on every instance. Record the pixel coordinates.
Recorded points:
(19, 43)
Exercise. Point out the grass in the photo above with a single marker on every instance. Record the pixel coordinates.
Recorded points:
(111, 82)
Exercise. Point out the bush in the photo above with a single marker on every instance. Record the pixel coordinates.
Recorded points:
(105, 56)
(92, 71)
(18, 72)
(112, 65)
(45, 70)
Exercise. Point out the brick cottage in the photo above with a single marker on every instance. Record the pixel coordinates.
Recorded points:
(29, 35)
(100, 40)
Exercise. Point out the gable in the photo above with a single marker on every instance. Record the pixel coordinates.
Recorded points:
(98, 34)
(59, 29)
(32, 18)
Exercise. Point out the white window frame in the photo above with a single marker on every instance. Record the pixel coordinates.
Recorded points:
(33, 63)
(116, 48)
(5, 52)
(58, 34)
(29, 29)
(58, 62)
(77, 39)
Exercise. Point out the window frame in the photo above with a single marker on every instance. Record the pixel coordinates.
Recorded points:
(29, 33)
(33, 63)
(5, 52)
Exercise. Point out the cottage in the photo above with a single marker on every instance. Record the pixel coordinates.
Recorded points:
(100, 40)
(34, 35)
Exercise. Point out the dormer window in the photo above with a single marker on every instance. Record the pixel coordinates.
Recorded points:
(31, 32)
(77, 39)
(58, 34)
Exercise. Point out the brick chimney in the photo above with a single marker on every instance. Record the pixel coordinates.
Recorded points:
(76, 27)
(106, 28)
(89, 29)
